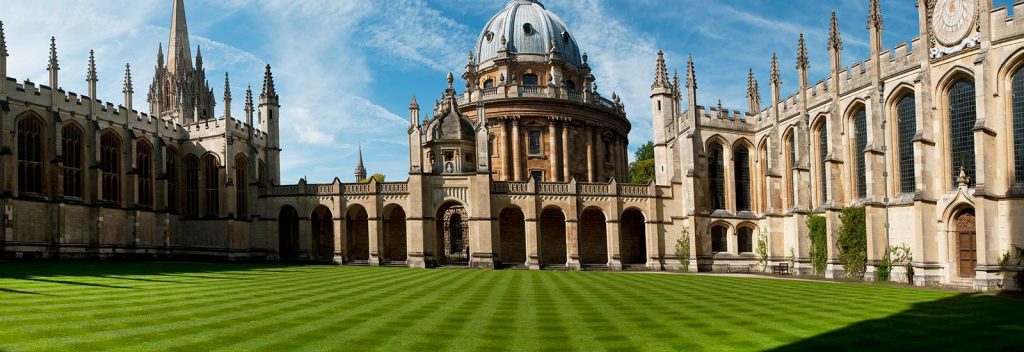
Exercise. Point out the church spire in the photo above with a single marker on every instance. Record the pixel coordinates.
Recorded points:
(661, 72)
(178, 46)
(360, 173)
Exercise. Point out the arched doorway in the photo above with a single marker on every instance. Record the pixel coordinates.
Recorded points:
(966, 243)
(453, 233)
(322, 226)
(512, 237)
(593, 238)
(552, 238)
(633, 239)
(358, 234)
(288, 234)
(395, 249)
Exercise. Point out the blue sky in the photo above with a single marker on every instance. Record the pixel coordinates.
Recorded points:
(346, 69)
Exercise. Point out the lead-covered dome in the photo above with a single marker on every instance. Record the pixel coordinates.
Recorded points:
(528, 28)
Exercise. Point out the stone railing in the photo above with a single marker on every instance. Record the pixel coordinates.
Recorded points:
(634, 190)
(485, 94)
(332, 189)
(582, 189)
(394, 188)
(357, 188)
(594, 189)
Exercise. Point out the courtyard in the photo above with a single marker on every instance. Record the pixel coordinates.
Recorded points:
(46, 306)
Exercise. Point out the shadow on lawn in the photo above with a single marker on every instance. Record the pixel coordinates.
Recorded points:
(967, 322)
(43, 271)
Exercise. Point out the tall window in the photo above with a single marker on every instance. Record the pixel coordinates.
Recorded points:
(763, 195)
(192, 186)
(241, 185)
(719, 241)
(906, 111)
(860, 136)
(1018, 126)
(30, 155)
(144, 164)
(822, 155)
(962, 115)
(172, 179)
(262, 174)
(71, 148)
(110, 167)
(716, 176)
(790, 164)
(534, 142)
(211, 176)
(745, 239)
(741, 163)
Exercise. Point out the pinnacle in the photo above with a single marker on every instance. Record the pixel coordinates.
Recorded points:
(835, 40)
(128, 79)
(802, 62)
(53, 66)
(3, 40)
(776, 79)
(92, 67)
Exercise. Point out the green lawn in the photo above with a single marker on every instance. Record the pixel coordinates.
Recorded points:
(73, 306)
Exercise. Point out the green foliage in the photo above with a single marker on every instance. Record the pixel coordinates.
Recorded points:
(902, 256)
(1012, 261)
(379, 177)
(683, 249)
(791, 259)
(884, 271)
(819, 244)
(762, 250)
(641, 171)
(852, 242)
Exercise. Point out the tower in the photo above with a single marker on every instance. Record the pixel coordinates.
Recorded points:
(662, 113)
(269, 109)
(360, 172)
(179, 88)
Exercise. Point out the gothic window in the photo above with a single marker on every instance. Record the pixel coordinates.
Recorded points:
(1018, 126)
(192, 186)
(822, 155)
(144, 165)
(110, 167)
(745, 239)
(716, 176)
(791, 163)
(241, 183)
(534, 142)
(172, 179)
(30, 155)
(530, 80)
(741, 164)
(262, 177)
(489, 83)
(860, 136)
(211, 177)
(719, 239)
(71, 148)
(906, 128)
(763, 160)
(962, 116)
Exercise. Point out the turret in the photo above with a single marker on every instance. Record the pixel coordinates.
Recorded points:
(269, 108)
(662, 108)
(128, 90)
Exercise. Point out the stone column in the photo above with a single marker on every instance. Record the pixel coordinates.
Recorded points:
(572, 244)
(516, 171)
(506, 153)
(374, 236)
(339, 234)
(565, 152)
(614, 254)
(532, 243)
(591, 141)
(553, 152)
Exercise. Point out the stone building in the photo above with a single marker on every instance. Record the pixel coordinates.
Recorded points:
(523, 167)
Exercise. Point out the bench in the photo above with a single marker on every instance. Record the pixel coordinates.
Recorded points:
(780, 269)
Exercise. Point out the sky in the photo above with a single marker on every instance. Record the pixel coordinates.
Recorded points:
(346, 69)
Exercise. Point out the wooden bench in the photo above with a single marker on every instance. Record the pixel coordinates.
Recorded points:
(780, 269)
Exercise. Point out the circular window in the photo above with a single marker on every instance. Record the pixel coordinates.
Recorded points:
(528, 29)
(489, 36)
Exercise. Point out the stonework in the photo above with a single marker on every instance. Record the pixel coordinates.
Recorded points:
(525, 167)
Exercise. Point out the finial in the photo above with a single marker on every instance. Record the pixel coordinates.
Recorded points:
(875, 15)
(227, 87)
(691, 74)
(660, 72)
(504, 42)
(413, 104)
(835, 40)
(776, 79)
(451, 79)
(721, 111)
(128, 79)
(753, 92)
(584, 58)
(248, 98)
(160, 56)
(963, 180)
(199, 58)
(675, 81)
(3, 41)
(53, 66)
(802, 62)
(470, 57)
(91, 77)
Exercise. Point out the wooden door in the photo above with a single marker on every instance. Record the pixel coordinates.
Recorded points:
(967, 245)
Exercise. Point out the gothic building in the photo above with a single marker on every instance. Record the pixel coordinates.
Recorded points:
(523, 167)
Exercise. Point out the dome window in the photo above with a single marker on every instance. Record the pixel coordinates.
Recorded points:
(489, 36)
(528, 29)
(565, 36)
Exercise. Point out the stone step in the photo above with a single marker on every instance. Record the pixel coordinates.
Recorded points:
(394, 264)
(634, 267)
(594, 267)
(553, 267)
(515, 266)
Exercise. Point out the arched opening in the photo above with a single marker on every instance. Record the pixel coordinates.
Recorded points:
(962, 114)
(593, 238)
(1017, 111)
(860, 143)
(72, 146)
(745, 239)
(552, 238)
(211, 183)
(762, 157)
(906, 130)
(144, 173)
(357, 231)
(719, 239)
(453, 235)
(716, 176)
(821, 149)
(741, 167)
(110, 167)
(192, 186)
(633, 242)
(790, 164)
(288, 234)
(241, 187)
(512, 237)
(395, 249)
(322, 226)
(30, 155)
(966, 242)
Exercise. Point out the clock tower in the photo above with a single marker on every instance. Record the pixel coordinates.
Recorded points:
(953, 25)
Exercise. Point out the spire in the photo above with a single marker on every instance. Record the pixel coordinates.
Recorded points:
(160, 56)
(3, 41)
(776, 79)
(753, 93)
(227, 87)
(53, 66)
(91, 75)
(269, 93)
(875, 15)
(360, 173)
(248, 100)
(835, 40)
(675, 84)
(128, 80)
(661, 73)
(691, 75)
(178, 46)
(802, 63)
(199, 58)
(413, 104)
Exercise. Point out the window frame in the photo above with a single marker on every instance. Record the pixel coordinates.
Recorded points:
(110, 166)
(30, 137)
(72, 149)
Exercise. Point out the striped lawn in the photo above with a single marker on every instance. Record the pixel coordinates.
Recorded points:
(77, 306)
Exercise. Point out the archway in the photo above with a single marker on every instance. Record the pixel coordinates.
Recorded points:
(395, 249)
(512, 237)
(288, 233)
(358, 233)
(966, 242)
(322, 226)
(593, 238)
(453, 235)
(633, 242)
(552, 237)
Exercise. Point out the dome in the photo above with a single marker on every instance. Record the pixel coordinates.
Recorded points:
(528, 28)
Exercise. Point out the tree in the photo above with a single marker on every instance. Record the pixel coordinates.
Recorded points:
(378, 176)
(852, 242)
(762, 250)
(683, 249)
(819, 248)
(641, 171)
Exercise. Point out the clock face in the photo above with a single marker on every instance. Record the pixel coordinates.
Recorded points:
(952, 20)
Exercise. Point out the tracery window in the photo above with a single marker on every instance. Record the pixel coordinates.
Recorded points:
(71, 148)
(211, 177)
(30, 155)
(144, 164)
(110, 167)
(172, 179)
(962, 116)
(1018, 126)
(860, 136)
(192, 186)
(741, 164)
(716, 176)
(822, 155)
(906, 129)
(241, 182)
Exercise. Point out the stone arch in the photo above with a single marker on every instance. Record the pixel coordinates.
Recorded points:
(857, 138)
(742, 174)
(288, 233)
(593, 237)
(819, 150)
(512, 236)
(395, 245)
(962, 226)
(632, 237)
(762, 175)
(1010, 72)
(453, 237)
(322, 226)
(788, 163)
(746, 237)
(900, 137)
(553, 251)
(357, 233)
(718, 236)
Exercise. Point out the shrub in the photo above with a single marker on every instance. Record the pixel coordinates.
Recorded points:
(762, 250)
(1012, 260)
(819, 244)
(792, 257)
(902, 256)
(883, 274)
(683, 249)
(852, 242)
